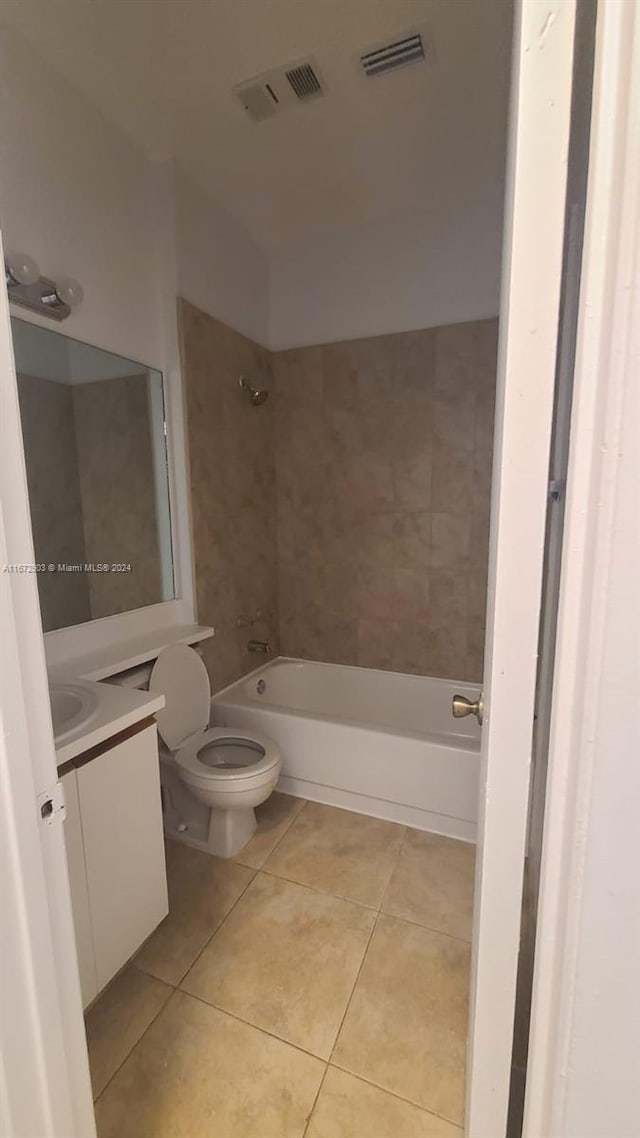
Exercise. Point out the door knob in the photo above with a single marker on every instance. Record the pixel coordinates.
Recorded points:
(462, 706)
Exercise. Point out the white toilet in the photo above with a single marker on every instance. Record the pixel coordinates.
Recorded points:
(212, 777)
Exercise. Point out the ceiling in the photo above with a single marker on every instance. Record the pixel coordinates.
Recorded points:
(370, 149)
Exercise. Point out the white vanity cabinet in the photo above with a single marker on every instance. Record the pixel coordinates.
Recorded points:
(115, 851)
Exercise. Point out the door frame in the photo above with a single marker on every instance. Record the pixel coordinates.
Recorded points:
(534, 227)
(585, 1036)
(44, 1075)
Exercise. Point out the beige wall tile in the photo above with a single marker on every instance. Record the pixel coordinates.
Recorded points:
(348, 1107)
(412, 476)
(199, 1071)
(411, 539)
(450, 541)
(366, 476)
(233, 482)
(285, 960)
(406, 1025)
(452, 481)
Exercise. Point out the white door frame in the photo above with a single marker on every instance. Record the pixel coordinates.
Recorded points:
(45, 1088)
(529, 317)
(583, 1067)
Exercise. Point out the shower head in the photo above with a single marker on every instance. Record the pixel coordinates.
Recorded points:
(257, 397)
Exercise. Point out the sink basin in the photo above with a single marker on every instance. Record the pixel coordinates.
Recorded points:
(72, 706)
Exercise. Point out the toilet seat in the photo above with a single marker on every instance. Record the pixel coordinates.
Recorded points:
(183, 724)
(188, 757)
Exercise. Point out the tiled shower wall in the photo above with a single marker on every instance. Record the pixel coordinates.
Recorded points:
(233, 499)
(371, 462)
(383, 480)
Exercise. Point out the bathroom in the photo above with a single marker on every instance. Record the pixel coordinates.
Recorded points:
(256, 372)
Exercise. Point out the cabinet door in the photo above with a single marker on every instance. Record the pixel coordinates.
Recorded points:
(79, 892)
(121, 812)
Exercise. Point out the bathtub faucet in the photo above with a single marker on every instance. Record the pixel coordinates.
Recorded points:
(261, 646)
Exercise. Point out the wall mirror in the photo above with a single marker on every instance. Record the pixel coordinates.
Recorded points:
(93, 426)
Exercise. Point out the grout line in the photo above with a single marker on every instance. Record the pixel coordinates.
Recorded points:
(136, 1045)
(316, 889)
(394, 1094)
(282, 836)
(355, 984)
(174, 987)
(255, 1026)
(315, 1101)
(427, 928)
(395, 866)
(218, 927)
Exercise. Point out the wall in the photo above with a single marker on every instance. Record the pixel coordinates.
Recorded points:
(220, 268)
(232, 478)
(398, 275)
(117, 486)
(384, 466)
(48, 432)
(78, 196)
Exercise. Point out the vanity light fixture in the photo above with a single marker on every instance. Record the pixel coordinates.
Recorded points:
(40, 294)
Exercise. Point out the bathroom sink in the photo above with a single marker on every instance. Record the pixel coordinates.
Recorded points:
(72, 707)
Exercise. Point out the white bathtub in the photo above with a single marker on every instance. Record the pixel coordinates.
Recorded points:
(376, 742)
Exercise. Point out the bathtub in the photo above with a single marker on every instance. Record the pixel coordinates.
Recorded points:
(375, 742)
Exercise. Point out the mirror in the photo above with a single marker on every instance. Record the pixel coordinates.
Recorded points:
(95, 451)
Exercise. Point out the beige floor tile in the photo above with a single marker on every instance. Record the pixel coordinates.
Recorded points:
(348, 1107)
(274, 818)
(200, 1072)
(349, 855)
(117, 1020)
(202, 890)
(406, 1026)
(432, 883)
(286, 960)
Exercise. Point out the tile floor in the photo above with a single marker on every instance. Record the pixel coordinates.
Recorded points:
(313, 987)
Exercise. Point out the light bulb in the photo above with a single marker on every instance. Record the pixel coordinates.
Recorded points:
(69, 291)
(21, 269)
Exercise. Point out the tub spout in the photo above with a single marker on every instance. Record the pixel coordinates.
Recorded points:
(261, 646)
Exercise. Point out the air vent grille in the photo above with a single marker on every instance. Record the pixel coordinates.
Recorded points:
(304, 81)
(409, 49)
(278, 90)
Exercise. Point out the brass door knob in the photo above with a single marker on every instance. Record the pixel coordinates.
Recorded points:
(462, 706)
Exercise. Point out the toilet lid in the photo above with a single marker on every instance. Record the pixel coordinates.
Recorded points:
(180, 675)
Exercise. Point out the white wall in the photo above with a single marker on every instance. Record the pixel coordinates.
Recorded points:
(406, 273)
(75, 194)
(220, 268)
(83, 200)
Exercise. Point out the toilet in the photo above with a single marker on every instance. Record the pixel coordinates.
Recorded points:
(212, 778)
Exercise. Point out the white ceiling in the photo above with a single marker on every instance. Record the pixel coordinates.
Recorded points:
(370, 149)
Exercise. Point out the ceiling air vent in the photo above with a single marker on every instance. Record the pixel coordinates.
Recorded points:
(286, 86)
(390, 56)
(304, 81)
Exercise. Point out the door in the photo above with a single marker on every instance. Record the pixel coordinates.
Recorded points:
(45, 1087)
(532, 268)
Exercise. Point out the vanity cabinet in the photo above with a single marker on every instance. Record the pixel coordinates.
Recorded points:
(115, 852)
(79, 890)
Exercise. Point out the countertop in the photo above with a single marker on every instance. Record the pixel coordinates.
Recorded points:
(118, 708)
(125, 654)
